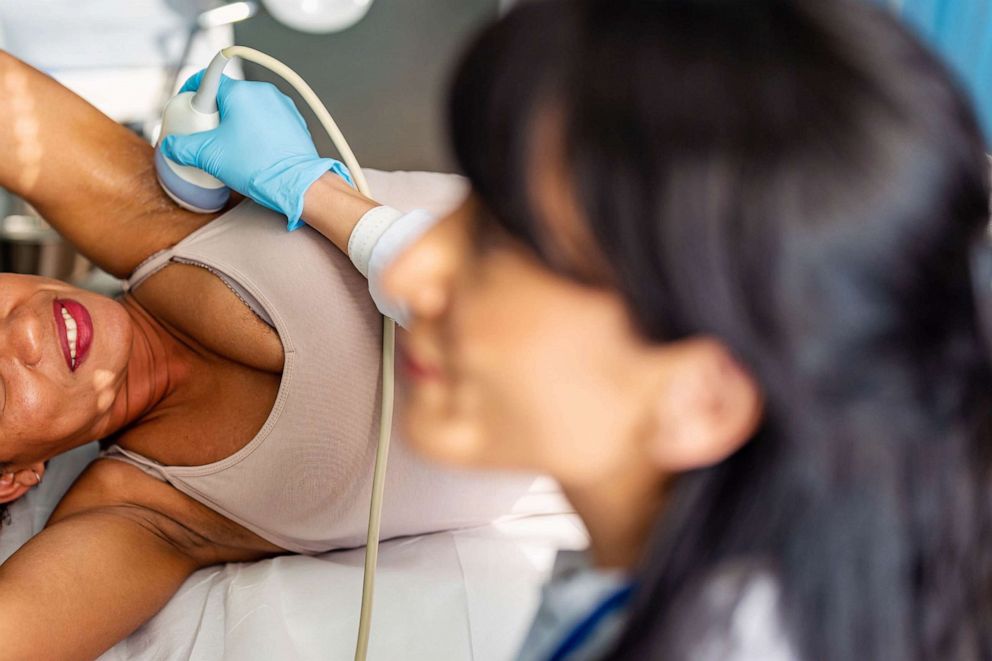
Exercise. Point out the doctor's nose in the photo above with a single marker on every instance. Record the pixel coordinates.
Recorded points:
(422, 276)
(22, 336)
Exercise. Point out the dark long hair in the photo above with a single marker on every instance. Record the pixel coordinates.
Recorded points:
(803, 180)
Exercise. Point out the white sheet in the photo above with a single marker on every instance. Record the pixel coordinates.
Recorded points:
(467, 594)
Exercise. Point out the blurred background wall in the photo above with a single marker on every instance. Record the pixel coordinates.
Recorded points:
(383, 79)
(961, 31)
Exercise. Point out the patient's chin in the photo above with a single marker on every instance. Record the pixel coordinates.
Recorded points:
(112, 334)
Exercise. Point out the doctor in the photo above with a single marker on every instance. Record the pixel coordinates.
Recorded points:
(712, 275)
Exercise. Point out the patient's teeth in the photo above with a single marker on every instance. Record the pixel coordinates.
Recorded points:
(71, 334)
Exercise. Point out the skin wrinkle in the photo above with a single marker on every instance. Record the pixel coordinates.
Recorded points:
(148, 520)
(170, 530)
(137, 402)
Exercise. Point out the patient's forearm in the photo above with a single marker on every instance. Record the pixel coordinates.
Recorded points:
(91, 178)
(83, 584)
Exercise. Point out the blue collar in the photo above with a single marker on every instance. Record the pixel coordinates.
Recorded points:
(587, 626)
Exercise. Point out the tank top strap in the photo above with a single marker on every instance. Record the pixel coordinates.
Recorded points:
(147, 466)
(159, 260)
(149, 267)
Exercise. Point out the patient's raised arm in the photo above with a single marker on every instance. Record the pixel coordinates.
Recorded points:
(91, 178)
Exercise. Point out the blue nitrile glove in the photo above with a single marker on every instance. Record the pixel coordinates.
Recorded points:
(262, 147)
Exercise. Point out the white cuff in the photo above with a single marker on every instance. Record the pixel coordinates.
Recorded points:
(366, 234)
(377, 240)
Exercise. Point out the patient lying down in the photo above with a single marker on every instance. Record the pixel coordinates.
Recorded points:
(235, 385)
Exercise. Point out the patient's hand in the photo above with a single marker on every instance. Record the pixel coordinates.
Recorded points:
(16, 484)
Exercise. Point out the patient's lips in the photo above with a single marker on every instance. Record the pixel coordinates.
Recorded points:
(75, 330)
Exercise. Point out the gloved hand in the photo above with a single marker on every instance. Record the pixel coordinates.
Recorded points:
(262, 147)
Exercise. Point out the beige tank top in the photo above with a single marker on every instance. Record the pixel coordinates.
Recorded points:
(304, 481)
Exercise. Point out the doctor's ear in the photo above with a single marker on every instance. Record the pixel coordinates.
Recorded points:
(705, 407)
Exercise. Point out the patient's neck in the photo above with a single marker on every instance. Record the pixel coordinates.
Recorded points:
(157, 367)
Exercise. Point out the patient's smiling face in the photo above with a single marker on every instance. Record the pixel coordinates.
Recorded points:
(45, 405)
